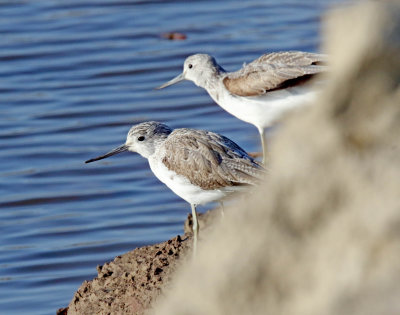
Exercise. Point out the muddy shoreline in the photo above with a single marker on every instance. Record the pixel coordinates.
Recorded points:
(132, 281)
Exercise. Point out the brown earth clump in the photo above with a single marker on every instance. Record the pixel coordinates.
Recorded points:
(129, 284)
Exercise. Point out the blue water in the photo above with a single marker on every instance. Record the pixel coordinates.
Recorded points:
(74, 76)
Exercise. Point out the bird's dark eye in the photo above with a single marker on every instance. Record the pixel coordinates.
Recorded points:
(141, 138)
(190, 66)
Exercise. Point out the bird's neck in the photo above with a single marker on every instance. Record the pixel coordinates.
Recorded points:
(213, 85)
(212, 82)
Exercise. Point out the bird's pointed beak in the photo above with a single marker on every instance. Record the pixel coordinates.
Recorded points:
(120, 149)
(177, 79)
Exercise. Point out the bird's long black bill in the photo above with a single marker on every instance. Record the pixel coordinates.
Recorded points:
(120, 149)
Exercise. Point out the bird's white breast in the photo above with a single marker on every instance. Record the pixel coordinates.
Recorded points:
(181, 186)
(263, 111)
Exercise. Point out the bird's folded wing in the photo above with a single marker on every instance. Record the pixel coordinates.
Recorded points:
(274, 71)
(209, 160)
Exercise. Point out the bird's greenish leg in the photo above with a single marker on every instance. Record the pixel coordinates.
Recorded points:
(195, 228)
(264, 146)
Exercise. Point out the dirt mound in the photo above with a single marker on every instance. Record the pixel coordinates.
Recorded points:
(129, 284)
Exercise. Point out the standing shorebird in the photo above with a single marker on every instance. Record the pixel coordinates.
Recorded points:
(260, 92)
(199, 166)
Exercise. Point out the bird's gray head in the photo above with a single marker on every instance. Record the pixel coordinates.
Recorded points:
(142, 138)
(145, 137)
(200, 68)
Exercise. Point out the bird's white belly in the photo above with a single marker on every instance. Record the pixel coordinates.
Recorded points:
(263, 111)
(181, 186)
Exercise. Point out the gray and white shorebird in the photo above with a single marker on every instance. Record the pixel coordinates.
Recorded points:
(199, 166)
(262, 91)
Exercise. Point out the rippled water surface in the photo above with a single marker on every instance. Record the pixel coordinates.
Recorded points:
(74, 76)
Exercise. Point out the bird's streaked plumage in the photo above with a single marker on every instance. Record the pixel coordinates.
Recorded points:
(274, 71)
(199, 166)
